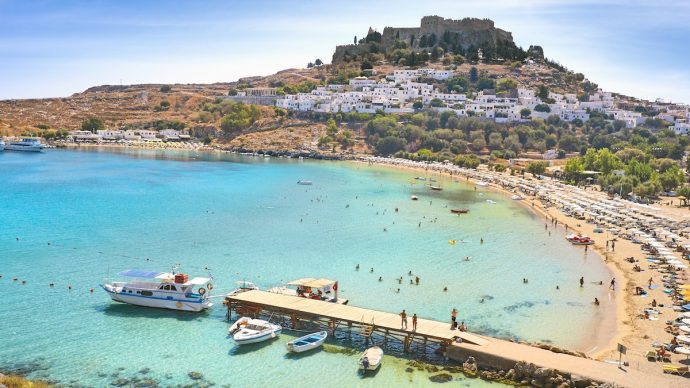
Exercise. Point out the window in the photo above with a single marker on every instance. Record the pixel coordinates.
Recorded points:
(147, 293)
(173, 288)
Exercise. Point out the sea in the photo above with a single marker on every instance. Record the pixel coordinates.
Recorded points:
(75, 218)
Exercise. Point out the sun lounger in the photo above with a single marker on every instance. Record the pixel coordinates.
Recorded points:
(676, 370)
(651, 355)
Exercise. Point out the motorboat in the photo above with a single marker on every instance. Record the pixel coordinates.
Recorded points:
(168, 290)
(414, 198)
(243, 286)
(28, 144)
(516, 197)
(490, 201)
(482, 184)
(249, 330)
(460, 211)
(420, 178)
(304, 183)
(308, 342)
(437, 188)
(371, 359)
(2, 145)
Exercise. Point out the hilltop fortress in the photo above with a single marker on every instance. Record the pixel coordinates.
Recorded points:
(456, 36)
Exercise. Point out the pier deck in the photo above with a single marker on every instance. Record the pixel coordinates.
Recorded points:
(489, 352)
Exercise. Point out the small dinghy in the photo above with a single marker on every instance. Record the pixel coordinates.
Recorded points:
(437, 188)
(304, 183)
(248, 331)
(414, 198)
(308, 342)
(371, 359)
(459, 211)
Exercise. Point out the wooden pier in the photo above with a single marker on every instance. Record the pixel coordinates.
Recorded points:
(457, 345)
(334, 316)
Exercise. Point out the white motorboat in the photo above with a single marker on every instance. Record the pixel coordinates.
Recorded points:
(304, 183)
(482, 184)
(371, 359)
(243, 286)
(308, 342)
(516, 197)
(2, 145)
(171, 290)
(414, 198)
(248, 331)
(28, 144)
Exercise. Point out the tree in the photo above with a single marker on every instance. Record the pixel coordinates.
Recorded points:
(542, 108)
(568, 143)
(506, 84)
(525, 112)
(474, 74)
(536, 168)
(318, 62)
(92, 124)
(672, 178)
(543, 92)
(310, 65)
(573, 168)
(390, 145)
(166, 89)
(417, 105)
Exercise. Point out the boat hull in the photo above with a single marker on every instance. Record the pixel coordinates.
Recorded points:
(257, 338)
(174, 304)
(295, 346)
(10, 147)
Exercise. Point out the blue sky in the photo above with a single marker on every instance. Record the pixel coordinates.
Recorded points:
(56, 48)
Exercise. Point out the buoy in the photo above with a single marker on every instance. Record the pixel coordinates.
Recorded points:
(14, 279)
(23, 281)
(91, 290)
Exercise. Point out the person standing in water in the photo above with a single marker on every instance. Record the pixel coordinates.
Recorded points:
(582, 281)
(453, 317)
(612, 286)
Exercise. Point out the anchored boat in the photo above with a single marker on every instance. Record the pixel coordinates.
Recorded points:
(460, 211)
(308, 342)
(371, 359)
(29, 144)
(168, 290)
(248, 331)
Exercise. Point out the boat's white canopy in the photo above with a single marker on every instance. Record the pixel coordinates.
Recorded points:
(311, 282)
(138, 273)
(197, 281)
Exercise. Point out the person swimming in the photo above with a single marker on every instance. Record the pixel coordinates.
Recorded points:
(445, 289)
(371, 270)
(380, 278)
(357, 267)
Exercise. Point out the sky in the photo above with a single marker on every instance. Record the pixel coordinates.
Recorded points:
(57, 48)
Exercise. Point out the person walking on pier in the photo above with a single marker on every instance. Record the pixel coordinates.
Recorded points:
(403, 317)
(414, 322)
(453, 318)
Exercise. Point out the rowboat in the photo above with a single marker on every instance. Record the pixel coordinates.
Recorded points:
(460, 211)
(248, 331)
(308, 342)
(371, 359)
(437, 188)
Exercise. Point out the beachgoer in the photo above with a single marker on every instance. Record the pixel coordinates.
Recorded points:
(596, 301)
(380, 278)
(481, 240)
(414, 322)
(453, 316)
(557, 287)
(371, 270)
(416, 280)
(400, 280)
(462, 326)
(411, 281)
(613, 284)
(582, 281)
(445, 288)
(586, 247)
(653, 302)
(403, 317)
(357, 267)
(650, 282)
(613, 246)
(409, 273)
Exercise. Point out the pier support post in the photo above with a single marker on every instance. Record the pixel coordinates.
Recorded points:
(332, 326)
(406, 344)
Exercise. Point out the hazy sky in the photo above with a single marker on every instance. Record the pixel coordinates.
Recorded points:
(56, 48)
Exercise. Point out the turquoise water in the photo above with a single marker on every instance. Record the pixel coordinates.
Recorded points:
(74, 218)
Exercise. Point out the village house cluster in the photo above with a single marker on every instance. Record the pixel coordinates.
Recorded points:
(117, 135)
(398, 92)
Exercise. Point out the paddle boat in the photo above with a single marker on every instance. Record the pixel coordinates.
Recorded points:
(308, 342)
(371, 359)
(168, 290)
(248, 331)
(460, 211)
(577, 239)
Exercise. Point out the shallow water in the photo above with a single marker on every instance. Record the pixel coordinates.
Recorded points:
(246, 218)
